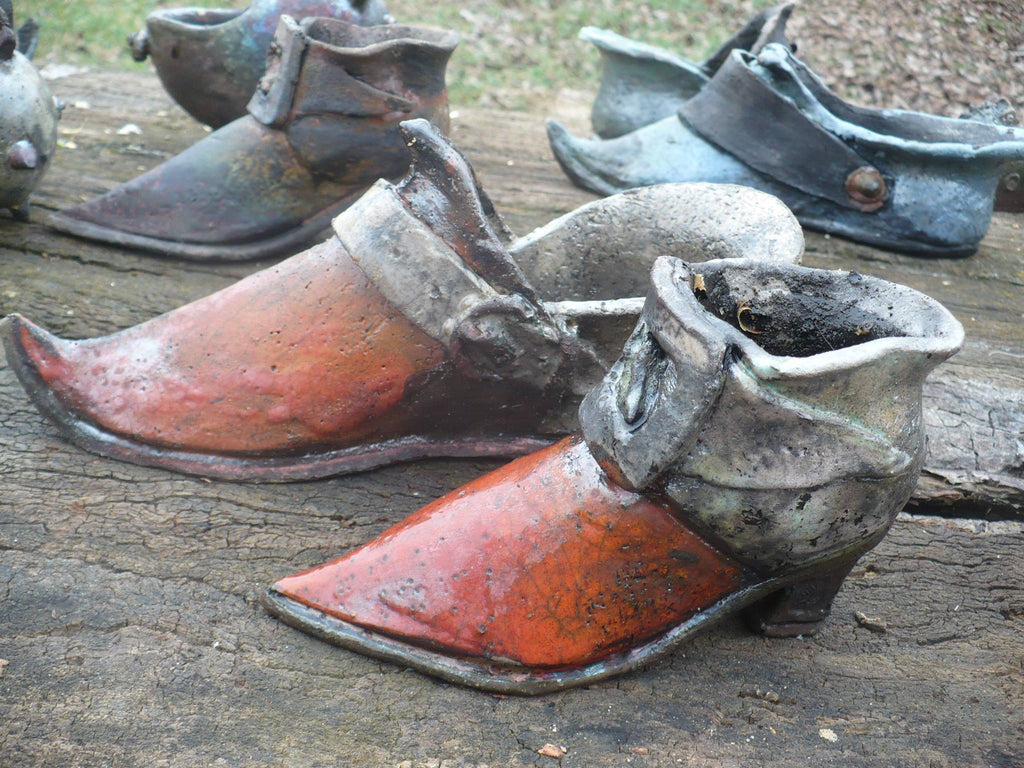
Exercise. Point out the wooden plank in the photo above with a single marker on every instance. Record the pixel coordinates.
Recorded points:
(973, 411)
(128, 614)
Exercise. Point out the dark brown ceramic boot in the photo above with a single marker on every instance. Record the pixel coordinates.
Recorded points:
(210, 59)
(322, 126)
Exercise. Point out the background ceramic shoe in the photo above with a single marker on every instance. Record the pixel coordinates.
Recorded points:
(413, 331)
(760, 432)
(641, 83)
(901, 180)
(323, 125)
(27, 34)
(28, 124)
(211, 59)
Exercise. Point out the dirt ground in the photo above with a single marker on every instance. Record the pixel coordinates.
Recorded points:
(938, 56)
(933, 55)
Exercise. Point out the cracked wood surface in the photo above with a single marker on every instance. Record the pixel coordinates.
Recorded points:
(128, 614)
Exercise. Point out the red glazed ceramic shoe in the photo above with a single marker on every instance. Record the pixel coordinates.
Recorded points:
(413, 332)
(760, 432)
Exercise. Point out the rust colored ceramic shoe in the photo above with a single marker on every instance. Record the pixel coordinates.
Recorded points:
(760, 432)
(322, 127)
(414, 331)
(211, 59)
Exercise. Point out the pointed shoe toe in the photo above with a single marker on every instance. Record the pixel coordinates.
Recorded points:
(38, 358)
(322, 127)
(539, 576)
(574, 157)
(717, 471)
(420, 328)
(205, 204)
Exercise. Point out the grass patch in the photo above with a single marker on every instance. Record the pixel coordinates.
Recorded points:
(514, 53)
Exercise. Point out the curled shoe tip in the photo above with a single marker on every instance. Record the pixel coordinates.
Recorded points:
(30, 348)
(418, 127)
(14, 326)
(572, 154)
(38, 359)
(559, 138)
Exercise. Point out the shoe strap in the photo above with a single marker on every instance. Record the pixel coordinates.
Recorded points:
(414, 269)
(491, 334)
(308, 76)
(272, 101)
(742, 114)
(649, 409)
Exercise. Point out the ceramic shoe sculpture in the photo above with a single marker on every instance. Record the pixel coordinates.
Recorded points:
(210, 60)
(895, 179)
(641, 83)
(413, 331)
(759, 433)
(27, 35)
(322, 127)
(28, 124)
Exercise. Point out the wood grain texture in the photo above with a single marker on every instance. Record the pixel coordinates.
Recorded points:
(128, 614)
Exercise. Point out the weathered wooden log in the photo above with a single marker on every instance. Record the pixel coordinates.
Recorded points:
(129, 630)
(972, 405)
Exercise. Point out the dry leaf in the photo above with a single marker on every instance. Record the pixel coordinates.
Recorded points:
(552, 750)
(868, 622)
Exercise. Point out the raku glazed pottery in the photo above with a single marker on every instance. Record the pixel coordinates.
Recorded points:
(421, 328)
(641, 83)
(27, 34)
(322, 127)
(760, 432)
(902, 180)
(211, 59)
(28, 124)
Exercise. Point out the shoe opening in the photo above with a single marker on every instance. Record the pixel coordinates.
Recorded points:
(802, 312)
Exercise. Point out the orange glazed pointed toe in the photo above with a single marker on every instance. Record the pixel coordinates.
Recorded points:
(250, 379)
(759, 433)
(533, 577)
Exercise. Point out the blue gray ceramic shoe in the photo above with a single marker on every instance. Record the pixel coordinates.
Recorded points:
(641, 83)
(895, 179)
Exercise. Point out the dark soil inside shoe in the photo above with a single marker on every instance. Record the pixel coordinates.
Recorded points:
(798, 318)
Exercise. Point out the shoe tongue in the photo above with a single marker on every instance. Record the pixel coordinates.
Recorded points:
(441, 191)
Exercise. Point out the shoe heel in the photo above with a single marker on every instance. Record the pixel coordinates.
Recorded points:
(802, 607)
